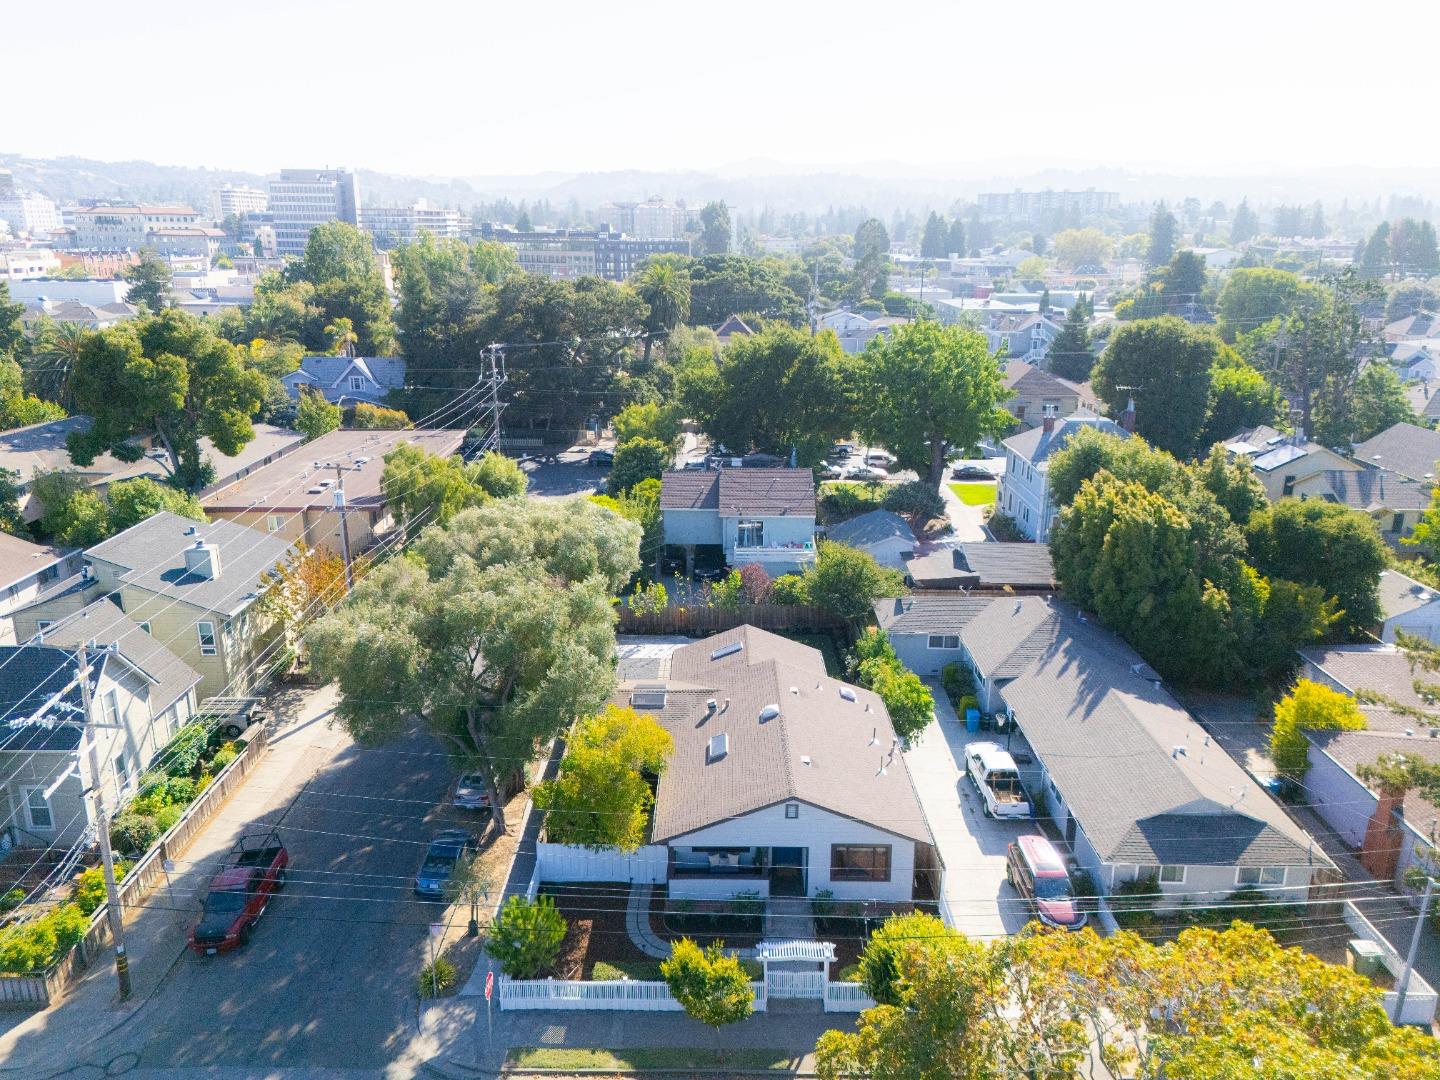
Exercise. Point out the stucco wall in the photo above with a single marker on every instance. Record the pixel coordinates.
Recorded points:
(915, 654)
(691, 527)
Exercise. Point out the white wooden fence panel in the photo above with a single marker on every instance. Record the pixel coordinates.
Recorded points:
(795, 984)
(629, 995)
(847, 997)
(648, 865)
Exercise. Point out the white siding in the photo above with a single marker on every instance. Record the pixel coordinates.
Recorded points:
(1423, 622)
(815, 830)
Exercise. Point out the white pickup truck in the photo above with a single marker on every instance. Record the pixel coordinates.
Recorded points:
(997, 780)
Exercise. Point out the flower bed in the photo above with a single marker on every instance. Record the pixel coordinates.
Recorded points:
(190, 761)
(34, 944)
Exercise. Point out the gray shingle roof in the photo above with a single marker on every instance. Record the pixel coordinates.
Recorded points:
(872, 528)
(1378, 489)
(1405, 449)
(1382, 668)
(1109, 739)
(1009, 635)
(387, 371)
(846, 741)
(19, 558)
(105, 624)
(1037, 444)
(1400, 595)
(1351, 749)
(928, 614)
(1017, 564)
(765, 492)
(152, 555)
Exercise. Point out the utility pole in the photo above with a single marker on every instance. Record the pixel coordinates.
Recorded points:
(344, 525)
(1403, 986)
(102, 826)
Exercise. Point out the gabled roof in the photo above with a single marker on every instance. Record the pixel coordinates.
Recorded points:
(1403, 448)
(1373, 490)
(104, 624)
(997, 564)
(387, 372)
(1028, 380)
(1037, 444)
(929, 614)
(829, 745)
(732, 326)
(1142, 778)
(763, 492)
(1382, 668)
(1008, 635)
(152, 557)
(874, 527)
(1400, 595)
(20, 559)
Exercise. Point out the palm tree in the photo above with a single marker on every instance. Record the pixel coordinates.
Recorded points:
(52, 360)
(343, 337)
(666, 290)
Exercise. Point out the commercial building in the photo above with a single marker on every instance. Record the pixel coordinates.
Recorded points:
(29, 213)
(654, 219)
(28, 263)
(126, 228)
(237, 199)
(1030, 205)
(392, 226)
(571, 253)
(304, 198)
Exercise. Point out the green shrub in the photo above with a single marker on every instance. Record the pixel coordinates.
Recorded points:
(822, 903)
(603, 972)
(1310, 706)
(917, 499)
(1003, 527)
(436, 979)
(885, 956)
(167, 816)
(957, 680)
(526, 938)
(843, 500)
(181, 790)
(1133, 902)
(184, 750)
(224, 756)
(849, 973)
(790, 590)
(12, 899)
(133, 833)
(33, 946)
(969, 701)
(747, 912)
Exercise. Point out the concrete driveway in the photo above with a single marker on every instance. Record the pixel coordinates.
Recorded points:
(979, 900)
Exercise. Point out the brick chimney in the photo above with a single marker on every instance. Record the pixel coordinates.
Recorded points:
(1127, 418)
(1380, 853)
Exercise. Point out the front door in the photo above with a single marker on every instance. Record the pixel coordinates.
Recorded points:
(787, 871)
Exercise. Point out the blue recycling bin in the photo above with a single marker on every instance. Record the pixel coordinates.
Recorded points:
(972, 720)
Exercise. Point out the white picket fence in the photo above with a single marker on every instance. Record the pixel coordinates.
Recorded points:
(629, 995)
(795, 984)
(647, 865)
(847, 997)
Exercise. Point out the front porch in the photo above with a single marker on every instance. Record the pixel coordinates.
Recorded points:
(720, 873)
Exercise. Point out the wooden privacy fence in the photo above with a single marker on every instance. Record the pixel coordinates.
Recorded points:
(699, 621)
(39, 990)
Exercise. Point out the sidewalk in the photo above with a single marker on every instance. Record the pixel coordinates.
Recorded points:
(155, 932)
(966, 521)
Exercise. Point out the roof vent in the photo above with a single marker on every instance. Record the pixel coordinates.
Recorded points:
(193, 530)
(711, 705)
(1409, 731)
(727, 650)
(805, 759)
(717, 747)
(1177, 752)
(847, 693)
(795, 690)
(769, 712)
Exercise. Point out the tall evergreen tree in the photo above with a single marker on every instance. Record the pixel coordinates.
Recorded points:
(1245, 224)
(936, 238)
(1163, 228)
(1070, 355)
(955, 243)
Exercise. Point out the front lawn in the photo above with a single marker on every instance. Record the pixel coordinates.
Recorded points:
(659, 1057)
(977, 494)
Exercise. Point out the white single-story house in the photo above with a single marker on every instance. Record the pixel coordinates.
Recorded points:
(886, 536)
(1132, 782)
(1408, 605)
(783, 780)
(764, 516)
(1331, 785)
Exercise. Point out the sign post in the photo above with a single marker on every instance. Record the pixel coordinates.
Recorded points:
(489, 1016)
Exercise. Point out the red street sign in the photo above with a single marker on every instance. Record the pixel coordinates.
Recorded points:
(489, 984)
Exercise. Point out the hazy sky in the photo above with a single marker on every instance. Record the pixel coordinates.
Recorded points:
(475, 87)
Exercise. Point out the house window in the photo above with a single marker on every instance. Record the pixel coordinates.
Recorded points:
(1167, 875)
(44, 624)
(1260, 875)
(944, 641)
(122, 772)
(1397, 523)
(206, 631)
(1019, 412)
(357, 382)
(859, 862)
(110, 708)
(751, 534)
(792, 810)
(37, 809)
(273, 522)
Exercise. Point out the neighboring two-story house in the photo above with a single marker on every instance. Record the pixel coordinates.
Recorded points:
(1288, 465)
(1024, 492)
(346, 380)
(141, 694)
(27, 570)
(856, 331)
(764, 516)
(192, 585)
(1034, 393)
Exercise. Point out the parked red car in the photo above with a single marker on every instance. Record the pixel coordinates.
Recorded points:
(240, 892)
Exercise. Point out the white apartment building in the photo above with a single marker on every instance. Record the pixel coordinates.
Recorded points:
(30, 213)
(237, 199)
(557, 259)
(654, 219)
(23, 264)
(1031, 204)
(392, 226)
(126, 228)
(304, 198)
